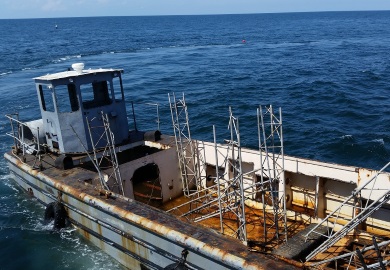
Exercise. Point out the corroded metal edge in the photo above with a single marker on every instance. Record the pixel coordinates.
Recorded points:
(206, 243)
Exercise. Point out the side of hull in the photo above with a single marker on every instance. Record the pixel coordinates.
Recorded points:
(136, 242)
(98, 232)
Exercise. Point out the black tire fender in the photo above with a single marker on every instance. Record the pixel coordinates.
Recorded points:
(56, 211)
(49, 213)
(60, 216)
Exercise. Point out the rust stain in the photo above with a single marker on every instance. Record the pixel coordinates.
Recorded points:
(359, 179)
(99, 227)
(136, 249)
(218, 248)
(86, 235)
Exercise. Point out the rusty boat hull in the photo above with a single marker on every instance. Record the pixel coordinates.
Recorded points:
(154, 201)
(138, 236)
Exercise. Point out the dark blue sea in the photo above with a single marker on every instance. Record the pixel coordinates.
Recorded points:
(329, 72)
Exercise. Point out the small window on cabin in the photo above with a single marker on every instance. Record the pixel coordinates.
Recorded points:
(46, 95)
(95, 94)
(117, 83)
(66, 98)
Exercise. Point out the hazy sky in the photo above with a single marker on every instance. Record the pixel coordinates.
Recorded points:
(83, 8)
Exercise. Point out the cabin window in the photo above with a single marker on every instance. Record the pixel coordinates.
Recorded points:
(46, 95)
(66, 98)
(95, 95)
(118, 93)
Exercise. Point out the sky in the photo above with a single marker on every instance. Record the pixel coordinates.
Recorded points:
(16, 9)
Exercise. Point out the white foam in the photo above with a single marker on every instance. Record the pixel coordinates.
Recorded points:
(347, 136)
(380, 141)
(5, 73)
(66, 58)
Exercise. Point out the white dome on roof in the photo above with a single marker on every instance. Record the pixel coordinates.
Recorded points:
(78, 67)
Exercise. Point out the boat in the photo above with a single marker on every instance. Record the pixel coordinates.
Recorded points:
(168, 201)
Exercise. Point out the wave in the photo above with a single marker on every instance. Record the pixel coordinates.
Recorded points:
(371, 75)
(380, 141)
(7, 182)
(38, 227)
(43, 62)
(5, 73)
(66, 58)
(347, 137)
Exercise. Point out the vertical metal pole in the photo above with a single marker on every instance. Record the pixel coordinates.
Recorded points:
(18, 125)
(233, 164)
(267, 161)
(23, 146)
(283, 176)
(158, 118)
(232, 145)
(261, 175)
(317, 196)
(218, 183)
(231, 134)
(242, 197)
(274, 196)
(39, 148)
(13, 133)
(135, 122)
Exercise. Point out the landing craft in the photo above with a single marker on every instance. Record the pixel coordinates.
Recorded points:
(154, 201)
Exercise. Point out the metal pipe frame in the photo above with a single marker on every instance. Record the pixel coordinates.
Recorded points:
(351, 254)
(18, 136)
(191, 161)
(229, 194)
(272, 167)
(372, 205)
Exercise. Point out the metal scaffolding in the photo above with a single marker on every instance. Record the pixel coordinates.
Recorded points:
(190, 153)
(227, 195)
(374, 256)
(374, 199)
(272, 183)
(224, 194)
(231, 186)
(104, 158)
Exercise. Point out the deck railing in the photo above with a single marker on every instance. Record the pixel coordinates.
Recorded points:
(21, 145)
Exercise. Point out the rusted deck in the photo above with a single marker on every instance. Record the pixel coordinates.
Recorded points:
(74, 182)
(81, 181)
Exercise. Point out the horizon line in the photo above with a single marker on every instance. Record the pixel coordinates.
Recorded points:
(206, 14)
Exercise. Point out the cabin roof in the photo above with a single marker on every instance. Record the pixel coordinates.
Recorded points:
(73, 73)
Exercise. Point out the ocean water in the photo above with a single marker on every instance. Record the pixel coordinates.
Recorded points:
(329, 72)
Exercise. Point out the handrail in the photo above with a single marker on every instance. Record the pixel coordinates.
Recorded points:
(17, 133)
(157, 105)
